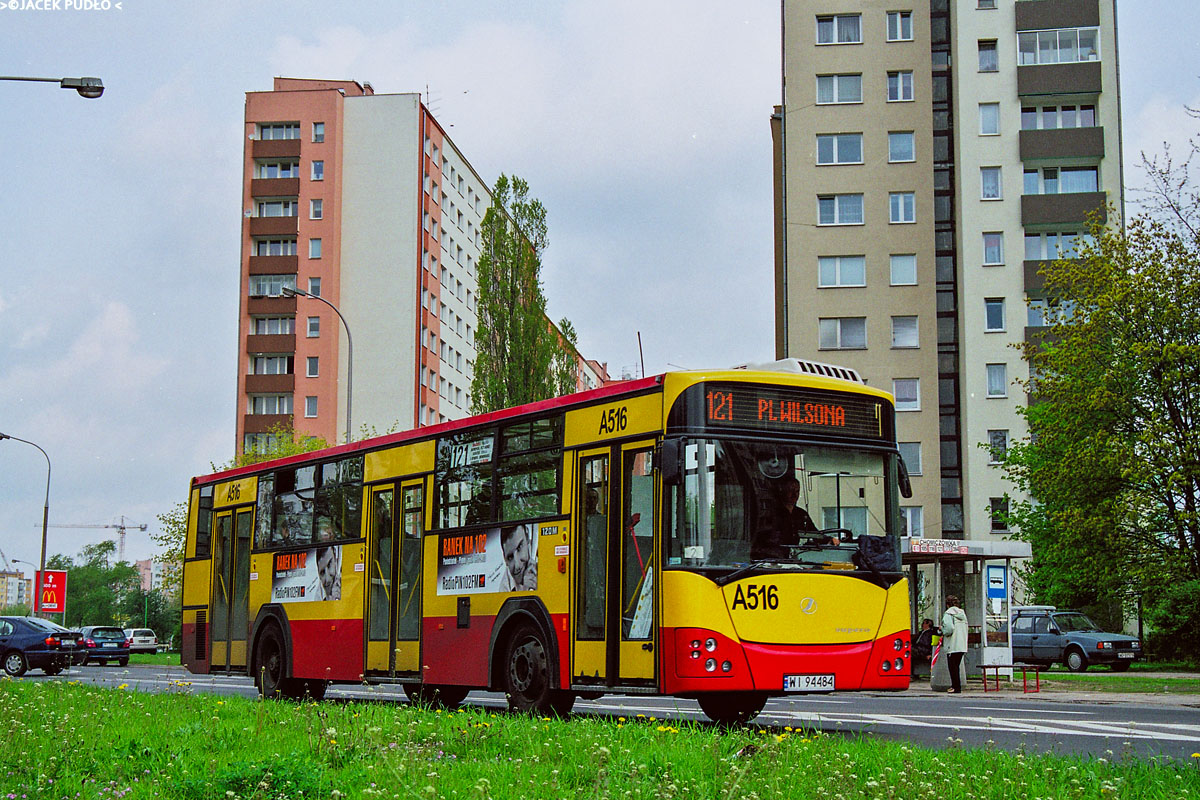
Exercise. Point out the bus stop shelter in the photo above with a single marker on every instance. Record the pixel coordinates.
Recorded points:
(988, 596)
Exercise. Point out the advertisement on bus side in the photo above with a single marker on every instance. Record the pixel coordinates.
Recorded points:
(307, 576)
(489, 561)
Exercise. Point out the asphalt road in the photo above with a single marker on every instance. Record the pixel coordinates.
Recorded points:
(1085, 723)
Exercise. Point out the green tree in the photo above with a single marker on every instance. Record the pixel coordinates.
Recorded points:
(1114, 455)
(520, 356)
(96, 585)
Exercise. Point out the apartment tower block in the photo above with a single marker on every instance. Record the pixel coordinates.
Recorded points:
(929, 160)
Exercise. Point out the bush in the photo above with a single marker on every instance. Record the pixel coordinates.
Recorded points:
(1174, 620)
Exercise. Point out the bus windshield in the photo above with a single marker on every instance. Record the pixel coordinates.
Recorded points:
(738, 502)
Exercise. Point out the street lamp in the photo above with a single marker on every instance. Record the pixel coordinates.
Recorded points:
(37, 595)
(287, 291)
(90, 88)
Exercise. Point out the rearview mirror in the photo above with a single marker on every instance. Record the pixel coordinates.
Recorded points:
(668, 461)
(905, 483)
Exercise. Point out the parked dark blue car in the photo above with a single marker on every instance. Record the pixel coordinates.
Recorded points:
(106, 643)
(1045, 635)
(30, 643)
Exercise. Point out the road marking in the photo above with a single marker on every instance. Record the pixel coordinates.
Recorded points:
(1026, 710)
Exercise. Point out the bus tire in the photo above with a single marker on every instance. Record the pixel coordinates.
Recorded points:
(732, 708)
(270, 662)
(1075, 660)
(526, 672)
(432, 696)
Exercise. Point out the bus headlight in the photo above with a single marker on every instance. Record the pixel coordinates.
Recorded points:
(899, 664)
(886, 666)
(726, 666)
(710, 644)
(695, 644)
(898, 644)
(710, 665)
(695, 654)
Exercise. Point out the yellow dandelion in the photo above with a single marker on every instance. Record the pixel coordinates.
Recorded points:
(123, 686)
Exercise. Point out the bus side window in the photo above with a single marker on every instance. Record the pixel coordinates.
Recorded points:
(204, 516)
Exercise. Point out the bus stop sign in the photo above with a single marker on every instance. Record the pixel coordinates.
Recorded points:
(997, 582)
(52, 591)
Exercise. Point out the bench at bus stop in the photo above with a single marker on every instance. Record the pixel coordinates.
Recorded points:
(1025, 669)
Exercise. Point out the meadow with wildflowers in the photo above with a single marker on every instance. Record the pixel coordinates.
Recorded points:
(65, 740)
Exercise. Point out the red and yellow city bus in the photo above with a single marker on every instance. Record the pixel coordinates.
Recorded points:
(726, 536)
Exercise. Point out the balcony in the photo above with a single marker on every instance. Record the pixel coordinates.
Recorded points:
(1040, 15)
(275, 148)
(1051, 79)
(263, 423)
(1058, 209)
(274, 226)
(271, 306)
(1062, 143)
(271, 343)
(1041, 334)
(275, 187)
(274, 265)
(270, 384)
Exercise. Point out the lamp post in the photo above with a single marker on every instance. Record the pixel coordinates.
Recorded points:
(37, 595)
(289, 292)
(90, 88)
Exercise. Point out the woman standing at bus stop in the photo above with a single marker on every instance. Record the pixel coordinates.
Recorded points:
(954, 641)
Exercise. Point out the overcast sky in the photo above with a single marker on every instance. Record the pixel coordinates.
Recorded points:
(642, 126)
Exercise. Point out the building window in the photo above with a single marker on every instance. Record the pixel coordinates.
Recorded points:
(900, 146)
(989, 58)
(278, 130)
(277, 208)
(839, 89)
(1053, 244)
(841, 271)
(997, 380)
(318, 170)
(989, 182)
(314, 248)
(839, 148)
(839, 29)
(270, 285)
(899, 26)
(911, 453)
(986, 4)
(270, 404)
(271, 326)
(1052, 117)
(989, 119)
(993, 249)
(274, 247)
(900, 86)
(315, 209)
(271, 365)
(840, 209)
(310, 406)
(903, 269)
(842, 333)
(318, 132)
(997, 446)
(993, 308)
(902, 207)
(999, 510)
(277, 169)
(1062, 46)
(314, 327)
(914, 524)
(314, 287)
(905, 333)
(907, 392)
(312, 367)
(1062, 180)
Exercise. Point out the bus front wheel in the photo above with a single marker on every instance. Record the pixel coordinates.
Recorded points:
(269, 676)
(526, 676)
(732, 708)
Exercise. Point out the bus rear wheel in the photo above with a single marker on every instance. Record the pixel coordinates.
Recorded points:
(732, 708)
(269, 677)
(526, 676)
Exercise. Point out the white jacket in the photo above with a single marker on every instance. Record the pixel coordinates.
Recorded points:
(954, 630)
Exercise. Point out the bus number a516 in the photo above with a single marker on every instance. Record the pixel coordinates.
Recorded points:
(756, 596)
(613, 420)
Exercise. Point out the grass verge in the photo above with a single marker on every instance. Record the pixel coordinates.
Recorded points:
(67, 740)
(1083, 682)
(156, 659)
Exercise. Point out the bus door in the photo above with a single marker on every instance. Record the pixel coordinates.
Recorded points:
(394, 596)
(614, 567)
(633, 580)
(231, 587)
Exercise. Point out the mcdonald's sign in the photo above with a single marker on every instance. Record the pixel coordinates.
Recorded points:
(52, 591)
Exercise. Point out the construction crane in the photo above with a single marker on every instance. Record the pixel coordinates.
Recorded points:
(119, 526)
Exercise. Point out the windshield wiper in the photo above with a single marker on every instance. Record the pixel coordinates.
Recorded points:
(746, 569)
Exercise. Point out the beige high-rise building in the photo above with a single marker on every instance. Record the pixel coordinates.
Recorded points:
(929, 158)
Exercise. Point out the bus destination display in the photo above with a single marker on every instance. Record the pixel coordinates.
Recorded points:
(795, 410)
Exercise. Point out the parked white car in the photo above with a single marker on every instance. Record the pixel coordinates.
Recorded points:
(142, 640)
